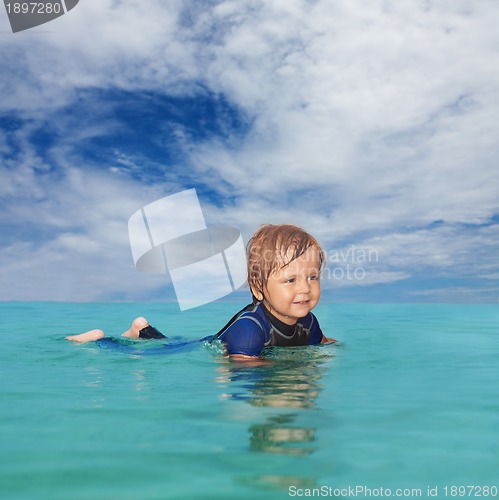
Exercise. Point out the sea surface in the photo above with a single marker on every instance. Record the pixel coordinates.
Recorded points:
(407, 403)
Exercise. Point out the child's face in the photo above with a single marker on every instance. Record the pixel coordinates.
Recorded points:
(294, 290)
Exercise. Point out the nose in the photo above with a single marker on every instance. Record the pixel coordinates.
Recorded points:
(304, 286)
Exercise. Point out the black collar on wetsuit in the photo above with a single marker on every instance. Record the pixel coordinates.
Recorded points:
(279, 325)
(284, 335)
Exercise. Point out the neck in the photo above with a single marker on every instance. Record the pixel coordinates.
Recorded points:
(282, 326)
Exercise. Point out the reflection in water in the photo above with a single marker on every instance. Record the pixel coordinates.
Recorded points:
(287, 384)
(290, 379)
(279, 435)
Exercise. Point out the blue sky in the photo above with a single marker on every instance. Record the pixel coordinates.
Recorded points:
(373, 125)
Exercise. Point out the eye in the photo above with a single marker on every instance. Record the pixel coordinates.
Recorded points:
(313, 277)
(289, 280)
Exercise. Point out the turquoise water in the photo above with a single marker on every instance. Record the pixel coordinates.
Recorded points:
(409, 400)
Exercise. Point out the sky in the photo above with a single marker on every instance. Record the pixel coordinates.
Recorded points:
(373, 125)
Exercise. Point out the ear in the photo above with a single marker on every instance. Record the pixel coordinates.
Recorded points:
(258, 295)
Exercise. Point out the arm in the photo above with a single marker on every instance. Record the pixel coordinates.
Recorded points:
(325, 339)
(244, 340)
(250, 360)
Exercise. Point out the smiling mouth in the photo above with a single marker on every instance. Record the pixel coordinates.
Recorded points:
(301, 302)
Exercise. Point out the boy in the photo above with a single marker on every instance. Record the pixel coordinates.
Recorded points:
(284, 265)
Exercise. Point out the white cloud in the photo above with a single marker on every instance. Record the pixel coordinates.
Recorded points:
(64, 229)
(390, 111)
(368, 122)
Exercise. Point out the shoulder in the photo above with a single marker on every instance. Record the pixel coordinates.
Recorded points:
(311, 323)
(248, 322)
(247, 334)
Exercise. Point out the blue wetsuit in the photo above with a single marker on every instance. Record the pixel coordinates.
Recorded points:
(254, 328)
(176, 344)
(248, 332)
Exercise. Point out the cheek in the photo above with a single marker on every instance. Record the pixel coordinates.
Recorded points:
(280, 294)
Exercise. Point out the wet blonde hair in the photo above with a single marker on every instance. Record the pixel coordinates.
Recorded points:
(273, 247)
